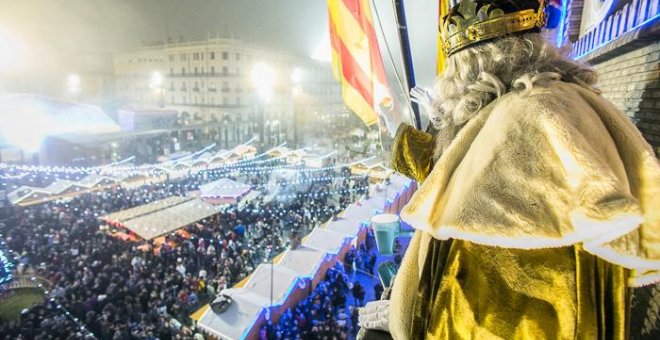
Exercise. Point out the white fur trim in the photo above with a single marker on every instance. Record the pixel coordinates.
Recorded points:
(593, 234)
(644, 280)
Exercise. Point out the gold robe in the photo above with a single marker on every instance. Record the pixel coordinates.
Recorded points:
(515, 222)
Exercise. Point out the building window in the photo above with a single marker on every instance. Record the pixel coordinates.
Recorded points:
(171, 71)
(183, 71)
(225, 55)
(212, 55)
(202, 69)
(212, 70)
(225, 70)
(238, 101)
(195, 69)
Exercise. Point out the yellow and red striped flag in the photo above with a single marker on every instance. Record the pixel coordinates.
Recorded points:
(356, 60)
(443, 9)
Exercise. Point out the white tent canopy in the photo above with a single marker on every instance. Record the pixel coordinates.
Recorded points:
(358, 212)
(224, 188)
(236, 321)
(94, 180)
(27, 193)
(304, 261)
(161, 217)
(325, 240)
(259, 283)
(61, 186)
(345, 226)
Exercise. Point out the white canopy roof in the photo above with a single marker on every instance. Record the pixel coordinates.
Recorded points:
(60, 186)
(345, 226)
(278, 151)
(398, 184)
(26, 192)
(161, 217)
(284, 281)
(325, 240)
(304, 261)
(243, 149)
(93, 180)
(358, 212)
(224, 188)
(236, 321)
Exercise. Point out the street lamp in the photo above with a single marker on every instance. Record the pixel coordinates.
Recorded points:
(13, 53)
(296, 79)
(296, 76)
(73, 84)
(156, 85)
(263, 79)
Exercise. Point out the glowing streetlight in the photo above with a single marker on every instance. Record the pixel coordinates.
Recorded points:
(157, 80)
(296, 79)
(156, 85)
(323, 52)
(73, 84)
(297, 76)
(12, 53)
(263, 79)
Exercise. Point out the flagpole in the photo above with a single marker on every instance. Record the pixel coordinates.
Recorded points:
(406, 56)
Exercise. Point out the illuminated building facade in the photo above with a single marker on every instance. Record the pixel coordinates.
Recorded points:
(211, 82)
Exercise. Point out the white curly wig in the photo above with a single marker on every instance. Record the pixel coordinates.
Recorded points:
(477, 75)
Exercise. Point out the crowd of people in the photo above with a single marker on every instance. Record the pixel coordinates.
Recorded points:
(330, 312)
(325, 314)
(111, 289)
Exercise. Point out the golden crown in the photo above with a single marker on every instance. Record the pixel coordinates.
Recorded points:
(466, 25)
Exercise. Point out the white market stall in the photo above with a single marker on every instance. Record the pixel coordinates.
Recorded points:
(224, 191)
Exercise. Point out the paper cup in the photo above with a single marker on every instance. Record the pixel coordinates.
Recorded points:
(386, 228)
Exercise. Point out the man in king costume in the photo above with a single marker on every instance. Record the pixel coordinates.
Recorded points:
(539, 202)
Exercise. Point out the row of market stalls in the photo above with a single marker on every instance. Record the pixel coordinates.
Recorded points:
(61, 188)
(372, 167)
(301, 156)
(117, 175)
(272, 288)
(161, 217)
(185, 160)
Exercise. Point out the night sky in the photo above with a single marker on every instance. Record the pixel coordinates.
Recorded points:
(54, 32)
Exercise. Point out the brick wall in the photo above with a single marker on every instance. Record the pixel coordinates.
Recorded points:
(631, 81)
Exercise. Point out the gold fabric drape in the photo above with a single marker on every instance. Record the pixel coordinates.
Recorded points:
(470, 291)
